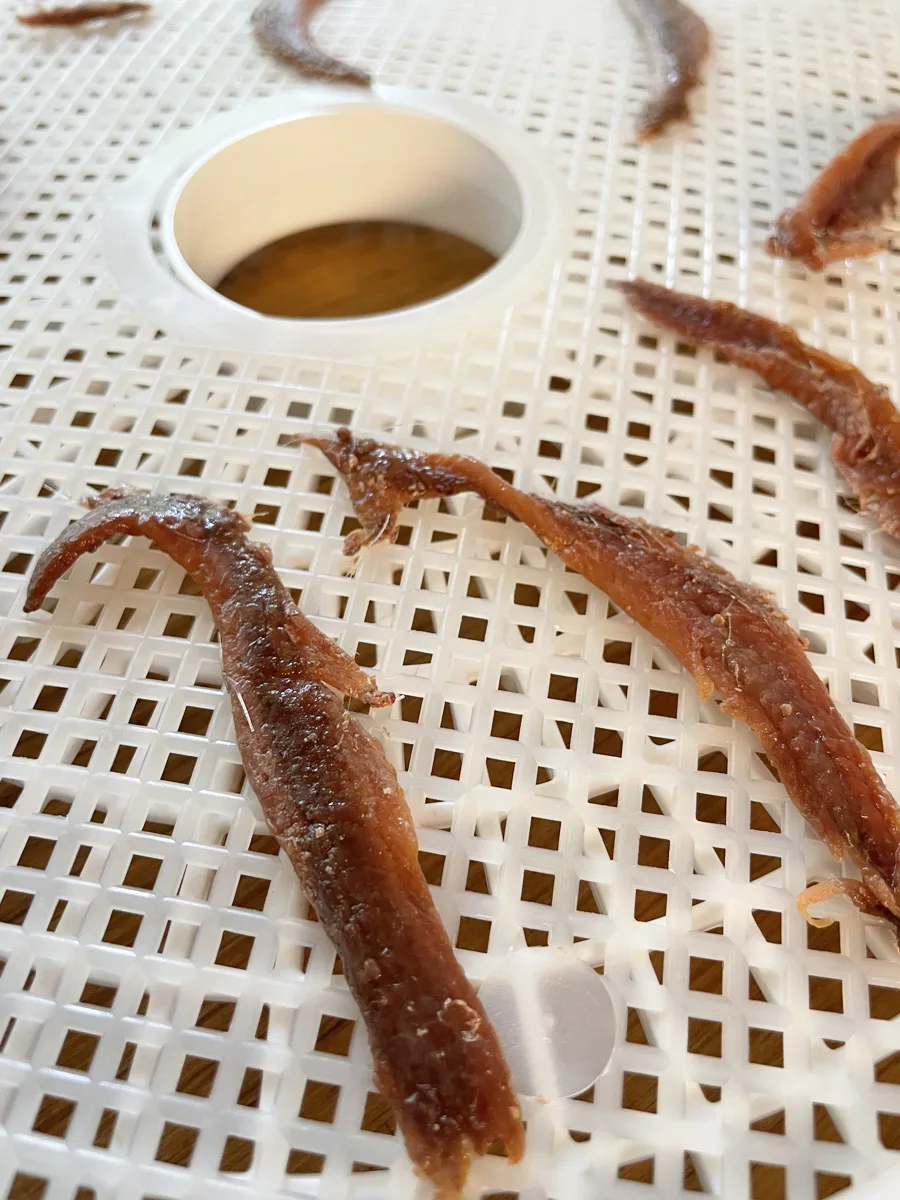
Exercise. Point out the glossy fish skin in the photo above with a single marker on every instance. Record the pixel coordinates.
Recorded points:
(282, 28)
(80, 14)
(866, 425)
(678, 43)
(729, 635)
(337, 809)
(851, 193)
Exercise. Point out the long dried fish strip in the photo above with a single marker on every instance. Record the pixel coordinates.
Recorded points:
(853, 193)
(729, 636)
(337, 809)
(80, 14)
(866, 425)
(282, 28)
(678, 43)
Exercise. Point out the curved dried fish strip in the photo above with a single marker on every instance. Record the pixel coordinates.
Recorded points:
(678, 44)
(80, 14)
(334, 803)
(282, 28)
(866, 425)
(853, 193)
(730, 636)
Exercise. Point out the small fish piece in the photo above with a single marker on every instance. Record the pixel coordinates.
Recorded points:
(678, 44)
(282, 28)
(334, 803)
(855, 891)
(80, 14)
(730, 636)
(853, 192)
(865, 447)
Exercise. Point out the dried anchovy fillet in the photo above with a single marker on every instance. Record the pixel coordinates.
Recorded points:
(79, 14)
(730, 636)
(866, 425)
(678, 43)
(333, 801)
(833, 219)
(282, 28)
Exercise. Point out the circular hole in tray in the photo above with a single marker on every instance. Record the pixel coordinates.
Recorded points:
(354, 269)
(296, 191)
(316, 157)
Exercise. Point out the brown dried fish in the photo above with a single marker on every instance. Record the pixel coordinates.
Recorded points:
(730, 636)
(833, 219)
(866, 425)
(282, 28)
(80, 14)
(333, 801)
(678, 44)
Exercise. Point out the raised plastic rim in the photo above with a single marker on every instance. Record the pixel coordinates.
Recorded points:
(198, 313)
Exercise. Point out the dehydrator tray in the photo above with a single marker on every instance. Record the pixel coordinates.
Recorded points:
(171, 1020)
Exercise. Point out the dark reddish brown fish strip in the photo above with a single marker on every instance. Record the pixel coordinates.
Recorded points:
(866, 425)
(729, 636)
(80, 14)
(337, 809)
(282, 28)
(834, 218)
(677, 42)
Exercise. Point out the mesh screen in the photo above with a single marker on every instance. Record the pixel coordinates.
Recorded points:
(172, 1019)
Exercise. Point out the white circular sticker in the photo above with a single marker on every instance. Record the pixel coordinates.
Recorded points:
(555, 1019)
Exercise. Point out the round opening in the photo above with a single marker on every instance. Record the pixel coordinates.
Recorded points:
(318, 156)
(295, 189)
(354, 269)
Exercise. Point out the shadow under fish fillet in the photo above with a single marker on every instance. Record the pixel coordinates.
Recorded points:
(834, 218)
(677, 42)
(282, 28)
(866, 425)
(730, 636)
(337, 809)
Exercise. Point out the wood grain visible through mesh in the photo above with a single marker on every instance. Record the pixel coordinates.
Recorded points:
(387, 265)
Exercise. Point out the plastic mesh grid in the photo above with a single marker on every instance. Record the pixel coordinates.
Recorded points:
(567, 783)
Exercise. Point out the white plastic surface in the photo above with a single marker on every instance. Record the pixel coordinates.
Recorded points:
(608, 763)
(555, 1019)
(887, 1187)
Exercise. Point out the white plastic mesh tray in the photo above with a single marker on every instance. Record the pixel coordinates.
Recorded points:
(741, 1090)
